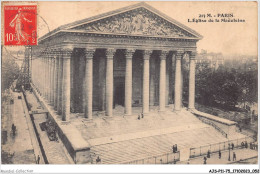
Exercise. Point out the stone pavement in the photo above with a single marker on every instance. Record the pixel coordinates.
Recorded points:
(19, 145)
(241, 154)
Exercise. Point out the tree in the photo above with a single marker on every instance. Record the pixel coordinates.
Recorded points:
(225, 87)
(10, 71)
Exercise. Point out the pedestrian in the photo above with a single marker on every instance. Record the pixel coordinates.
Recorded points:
(246, 145)
(208, 154)
(142, 115)
(219, 154)
(13, 129)
(205, 160)
(38, 159)
(234, 156)
(232, 146)
(242, 144)
(98, 160)
(176, 149)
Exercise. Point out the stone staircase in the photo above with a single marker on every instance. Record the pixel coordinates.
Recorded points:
(103, 126)
(118, 139)
(136, 149)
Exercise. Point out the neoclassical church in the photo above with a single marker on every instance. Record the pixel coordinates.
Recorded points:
(123, 64)
(129, 57)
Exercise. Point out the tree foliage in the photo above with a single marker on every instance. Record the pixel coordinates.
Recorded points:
(10, 71)
(225, 87)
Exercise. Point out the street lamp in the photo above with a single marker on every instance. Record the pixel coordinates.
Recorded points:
(229, 151)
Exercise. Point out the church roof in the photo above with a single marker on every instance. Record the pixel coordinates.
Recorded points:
(175, 28)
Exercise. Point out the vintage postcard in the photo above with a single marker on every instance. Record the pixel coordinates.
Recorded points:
(130, 83)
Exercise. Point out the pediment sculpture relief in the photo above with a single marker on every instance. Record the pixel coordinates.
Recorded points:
(136, 23)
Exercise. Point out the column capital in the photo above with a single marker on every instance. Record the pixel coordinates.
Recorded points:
(89, 53)
(66, 53)
(129, 53)
(110, 52)
(45, 53)
(179, 54)
(192, 55)
(147, 54)
(164, 54)
(55, 53)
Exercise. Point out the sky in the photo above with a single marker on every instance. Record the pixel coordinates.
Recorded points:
(228, 38)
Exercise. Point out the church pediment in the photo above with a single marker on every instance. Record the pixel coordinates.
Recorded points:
(136, 22)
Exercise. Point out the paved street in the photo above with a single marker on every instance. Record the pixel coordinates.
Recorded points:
(19, 146)
(54, 150)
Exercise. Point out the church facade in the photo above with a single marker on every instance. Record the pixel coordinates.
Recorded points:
(131, 57)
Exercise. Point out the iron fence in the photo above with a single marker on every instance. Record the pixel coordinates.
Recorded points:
(160, 159)
(213, 148)
(213, 125)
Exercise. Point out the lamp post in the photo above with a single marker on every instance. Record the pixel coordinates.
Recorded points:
(228, 151)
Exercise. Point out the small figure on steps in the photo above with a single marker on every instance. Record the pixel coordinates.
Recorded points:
(205, 160)
(232, 146)
(38, 159)
(234, 156)
(208, 155)
(98, 160)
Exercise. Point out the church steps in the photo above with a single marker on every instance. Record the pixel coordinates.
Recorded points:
(153, 146)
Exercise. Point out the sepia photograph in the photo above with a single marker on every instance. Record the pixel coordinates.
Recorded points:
(130, 83)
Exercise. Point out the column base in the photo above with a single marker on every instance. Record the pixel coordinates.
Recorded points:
(127, 114)
(146, 114)
(191, 109)
(87, 119)
(65, 122)
(161, 112)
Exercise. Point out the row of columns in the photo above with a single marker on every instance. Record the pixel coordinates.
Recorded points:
(53, 81)
(51, 76)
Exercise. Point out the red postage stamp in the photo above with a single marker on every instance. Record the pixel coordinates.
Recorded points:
(20, 25)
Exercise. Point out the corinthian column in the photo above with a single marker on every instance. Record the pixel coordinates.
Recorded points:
(49, 78)
(88, 90)
(56, 81)
(109, 81)
(162, 81)
(66, 56)
(178, 93)
(59, 92)
(192, 81)
(45, 76)
(52, 80)
(128, 82)
(147, 54)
